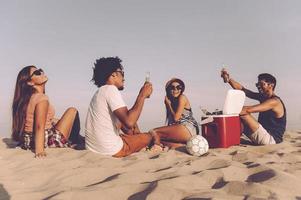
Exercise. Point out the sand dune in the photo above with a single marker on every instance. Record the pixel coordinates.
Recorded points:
(240, 172)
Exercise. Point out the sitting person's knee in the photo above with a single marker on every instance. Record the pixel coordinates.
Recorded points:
(244, 117)
(72, 110)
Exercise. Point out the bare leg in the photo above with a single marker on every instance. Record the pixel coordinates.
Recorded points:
(172, 145)
(250, 122)
(69, 120)
(172, 134)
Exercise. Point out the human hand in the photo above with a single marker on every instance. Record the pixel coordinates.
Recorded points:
(225, 75)
(146, 90)
(244, 111)
(54, 121)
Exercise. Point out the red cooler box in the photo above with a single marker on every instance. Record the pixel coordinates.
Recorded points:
(223, 131)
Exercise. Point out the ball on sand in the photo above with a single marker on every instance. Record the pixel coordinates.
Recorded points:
(197, 145)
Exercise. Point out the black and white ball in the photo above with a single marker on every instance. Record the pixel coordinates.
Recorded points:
(197, 145)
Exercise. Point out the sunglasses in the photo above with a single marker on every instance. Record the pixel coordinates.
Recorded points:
(178, 87)
(261, 84)
(37, 72)
(121, 72)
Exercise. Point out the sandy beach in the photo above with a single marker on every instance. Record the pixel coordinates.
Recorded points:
(238, 172)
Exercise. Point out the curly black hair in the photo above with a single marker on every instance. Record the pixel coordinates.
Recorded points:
(269, 78)
(103, 69)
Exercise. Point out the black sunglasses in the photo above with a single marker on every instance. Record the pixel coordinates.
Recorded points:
(260, 84)
(37, 72)
(178, 87)
(121, 72)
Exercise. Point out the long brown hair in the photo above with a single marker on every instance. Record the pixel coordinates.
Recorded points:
(22, 96)
(174, 101)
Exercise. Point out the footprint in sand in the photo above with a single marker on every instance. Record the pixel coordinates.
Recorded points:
(144, 193)
(270, 162)
(220, 183)
(240, 157)
(110, 178)
(251, 164)
(3, 193)
(183, 163)
(242, 188)
(297, 144)
(248, 163)
(130, 158)
(233, 153)
(261, 176)
(164, 177)
(298, 138)
(272, 196)
(154, 157)
(197, 198)
(218, 164)
(162, 169)
(296, 152)
(53, 196)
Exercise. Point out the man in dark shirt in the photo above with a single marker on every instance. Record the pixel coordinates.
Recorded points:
(270, 127)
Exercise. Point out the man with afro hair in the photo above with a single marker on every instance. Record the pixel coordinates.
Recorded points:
(111, 128)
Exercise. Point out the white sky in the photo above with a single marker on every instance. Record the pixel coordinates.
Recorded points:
(185, 39)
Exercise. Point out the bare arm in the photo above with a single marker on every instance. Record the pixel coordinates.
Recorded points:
(40, 116)
(178, 113)
(266, 105)
(237, 86)
(136, 129)
(130, 117)
(132, 131)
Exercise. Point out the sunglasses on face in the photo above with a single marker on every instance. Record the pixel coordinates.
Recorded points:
(261, 84)
(178, 87)
(37, 72)
(121, 72)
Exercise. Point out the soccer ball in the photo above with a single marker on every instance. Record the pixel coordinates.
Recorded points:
(197, 145)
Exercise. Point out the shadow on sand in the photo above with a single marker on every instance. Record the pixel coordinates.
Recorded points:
(3, 193)
(10, 143)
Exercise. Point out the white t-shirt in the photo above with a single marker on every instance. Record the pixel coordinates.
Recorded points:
(102, 135)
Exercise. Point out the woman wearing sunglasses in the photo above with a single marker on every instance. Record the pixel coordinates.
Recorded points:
(34, 125)
(181, 125)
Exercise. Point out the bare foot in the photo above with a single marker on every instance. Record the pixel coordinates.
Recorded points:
(156, 138)
(156, 148)
(144, 149)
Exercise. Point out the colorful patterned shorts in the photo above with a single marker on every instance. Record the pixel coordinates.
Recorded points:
(53, 138)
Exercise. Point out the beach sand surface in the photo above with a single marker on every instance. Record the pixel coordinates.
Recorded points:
(243, 172)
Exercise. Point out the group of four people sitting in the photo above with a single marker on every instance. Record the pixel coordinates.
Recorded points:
(111, 128)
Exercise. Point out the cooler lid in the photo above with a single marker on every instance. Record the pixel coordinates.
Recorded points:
(234, 102)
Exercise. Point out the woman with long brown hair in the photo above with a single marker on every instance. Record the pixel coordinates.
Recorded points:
(34, 125)
(181, 125)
